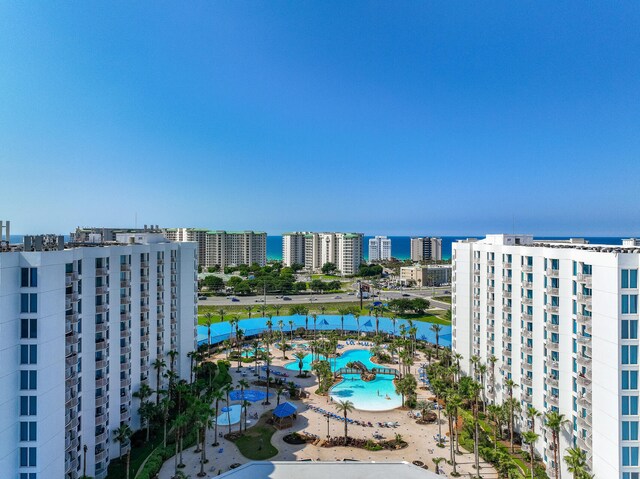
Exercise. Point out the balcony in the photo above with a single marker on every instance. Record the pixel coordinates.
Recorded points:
(70, 361)
(553, 327)
(551, 380)
(102, 271)
(125, 267)
(144, 264)
(124, 333)
(124, 416)
(552, 363)
(125, 299)
(72, 317)
(583, 360)
(71, 382)
(101, 455)
(506, 279)
(506, 265)
(584, 318)
(70, 465)
(144, 308)
(506, 294)
(125, 349)
(527, 300)
(587, 329)
(100, 290)
(160, 273)
(527, 268)
(527, 349)
(507, 353)
(125, 316)
(527, 366)
(102, 308)
(527, 317)
(583, 339)
(71, 402)
(144, 323)
(70, 422)
(124, 366)
(101, 400)
(553, 400)
(527, 397)
(552, 291)
(173, 283)
(527, 381)
(506, 338)
(144, 293)
(102, 327)
(491, 328)
(476, 297)
(491, 262)
(101, 345)
(102, 437)
(585, 399)
(144, 338)
(71, 338)
(506, 309)
(101, 382)
(101, 419)
(125, 383)
(491, 289)
(551, 308)
(551, 346)
(585, 421)
(144, 354)
(125, 283)
(552, 273)
(527, 333)
(491, 316)
(161, 327)
(584, 278)
(73, 276)
(583, 444)
(101, 364)
(584, 382)
(476, 309)
(491, 276)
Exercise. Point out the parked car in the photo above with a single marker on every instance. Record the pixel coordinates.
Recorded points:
(286, 298)
(235, 300)
(405, 295)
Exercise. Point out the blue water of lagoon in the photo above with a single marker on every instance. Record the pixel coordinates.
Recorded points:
(253, 326)
(362, 355)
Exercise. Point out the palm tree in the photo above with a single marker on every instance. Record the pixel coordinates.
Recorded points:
(345, 407)
(277, 307)
(482, 370)
(474, 391)
(495, 413)
(511, 385)
(356, 316)
(208, 321)
(279, 392)
(437, 461)
(492, 361)
(173, 354)
(291, 329)
(530, 438)
(122, 436)
(555, 421)
(221, 312)
(249, 310)
(226, 390)
(576, 460)
(300, 355)
(147, 411)
(165, 405)
(143, 393)
(269, 322)
(436, 328)
(181, 421)
(342, 312)
(191, 355)
(533, 414)
(158, 365)
(216, 396)
(245, 405)
(453, 403)
(314, 316)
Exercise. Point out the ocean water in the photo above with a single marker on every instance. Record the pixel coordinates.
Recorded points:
(401, 245)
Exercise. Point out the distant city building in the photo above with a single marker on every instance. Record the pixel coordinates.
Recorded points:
(430, 275)
(379, 248)
(107, 235)
(293, 249)
(81, 328)
(313, 250)
(426, 249)
(561, 319)
(223, 248)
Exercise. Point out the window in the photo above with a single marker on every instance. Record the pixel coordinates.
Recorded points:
(29, 277)
(28, 431)
(629, 304)
(28, 457)
(629, 456)
(629, 329)
(629, 430)
(629, 278)
(629, 405)
(28, 328)
(29, 405)
(28, 380)
(33, 475)
(631, 475)
(28, 354)
(629, 379)
(28, 303)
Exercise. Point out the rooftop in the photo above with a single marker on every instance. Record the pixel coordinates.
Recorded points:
(323, 470)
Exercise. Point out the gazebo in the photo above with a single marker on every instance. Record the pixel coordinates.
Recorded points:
(284, 415)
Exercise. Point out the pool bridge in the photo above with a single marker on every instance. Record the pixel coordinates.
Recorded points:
(359, 370)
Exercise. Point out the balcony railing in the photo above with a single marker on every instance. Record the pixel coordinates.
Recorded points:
(553, 400)
(527, 349)
(527, 268)
(527, 333)
(553, 327)
(506, 279)
(527, 317)
(553, 273)
(583, 381)
(527, 300)
(527, 366)
(125, 267)
(553, 346)
(551, 308)
(527, 381)
(102, 271)
(551, 380)
(102, 308)
(552, 291)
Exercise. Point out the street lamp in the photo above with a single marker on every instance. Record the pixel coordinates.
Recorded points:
(328, 422)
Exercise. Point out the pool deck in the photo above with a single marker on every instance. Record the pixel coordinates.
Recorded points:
(421, 438)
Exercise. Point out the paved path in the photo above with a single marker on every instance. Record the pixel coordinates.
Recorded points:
(421, 438)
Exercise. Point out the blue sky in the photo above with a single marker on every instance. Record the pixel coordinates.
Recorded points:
(381, 117)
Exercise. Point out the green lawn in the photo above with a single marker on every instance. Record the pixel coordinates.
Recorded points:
(118, 469)
(443, 299)
(238, 312)
(255, 442)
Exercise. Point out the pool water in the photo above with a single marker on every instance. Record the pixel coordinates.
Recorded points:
(362, 355)
(249, 395)
(232, 417)
(377, 395)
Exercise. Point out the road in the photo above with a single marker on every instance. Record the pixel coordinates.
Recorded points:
(426, 293)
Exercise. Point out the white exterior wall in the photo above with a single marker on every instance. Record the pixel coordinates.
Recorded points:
(293, 248)
(473, 336)
(54, 431)
(379, 248)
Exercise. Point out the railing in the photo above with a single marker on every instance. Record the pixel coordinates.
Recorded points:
(553, 346)
(527, 381)
(102, 308)
(102, 271)
(553, 327)
(527, 284)
(552, 291)
(553, 273)
(551, 308)
(527, 300)
(101, 327)
(527, 268)
(553, 400)
(506, 279)
(527, 349)
(125, 267)
(552, 380)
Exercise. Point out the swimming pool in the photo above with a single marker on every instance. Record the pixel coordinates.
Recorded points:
(377, 395)
(362, 355)
(232, 417)
(249, 394)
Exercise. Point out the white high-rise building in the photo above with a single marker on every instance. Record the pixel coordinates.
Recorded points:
(80, 329)
(561, 320)
(345, 250)
(197, 235)
(379, 248)
(293, 249)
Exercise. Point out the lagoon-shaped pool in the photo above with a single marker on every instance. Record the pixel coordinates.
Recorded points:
(231, 417)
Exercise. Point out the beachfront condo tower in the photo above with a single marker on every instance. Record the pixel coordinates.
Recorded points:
(81, 327)
(560, 319)
(379, 248)
(313, 250)
(426, 249)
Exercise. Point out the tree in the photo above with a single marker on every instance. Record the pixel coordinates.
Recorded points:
(530, 438)
(345, 407)
(248, 310)
(437, 461)
(300, 355)
(213, 282)
(147, 411)
(122, 435)
(158, 365)
(208, 321)
(511, 385)
(533, 414)
(420, 305)
(143, 393)
(555, 421)
(474, 391)
(216, 396)
(451, 408)
(329, 268)
(221, 312)
(436, 328)
(576, 460)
